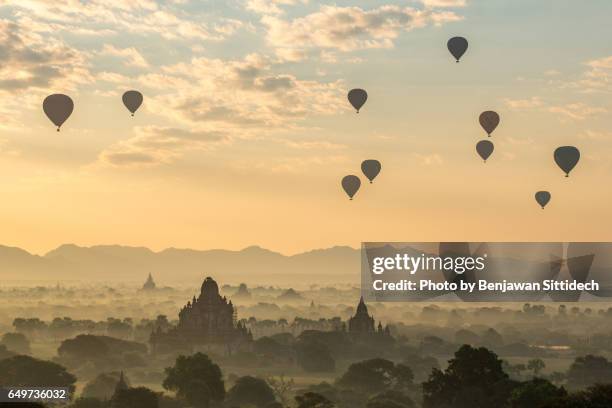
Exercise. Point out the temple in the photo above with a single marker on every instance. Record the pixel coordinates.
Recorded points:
(121, 384)
(208, 320)
(149, 284)
(362, 323)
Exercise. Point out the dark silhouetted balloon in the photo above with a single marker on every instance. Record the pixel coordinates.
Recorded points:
(132, 100)
(457, 46)
(542, 197)
(58, 108)
(357, 98)
(567, 157)
(370, 169)
(484, 149)
(489, 121)
(351, 185)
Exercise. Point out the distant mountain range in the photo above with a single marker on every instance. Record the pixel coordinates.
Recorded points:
(129, 264)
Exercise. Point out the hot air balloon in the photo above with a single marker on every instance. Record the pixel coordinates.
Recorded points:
(357, 98)
(457, 46)
(484, 149)
(542, 197)
(370, 169)
(489, 121)
(566, 158)
(351, 185)
(132, 100)
(58, 108)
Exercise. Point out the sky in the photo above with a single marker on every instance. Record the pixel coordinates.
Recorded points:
(245, 130)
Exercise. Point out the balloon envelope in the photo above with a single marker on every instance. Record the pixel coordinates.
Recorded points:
(370, 169)
(351, 185)
(58, 107)
(542, 197)
(489, 121)
(357, 98)
(132, 100)
(457, 46)
(484, 149)
(566, 158)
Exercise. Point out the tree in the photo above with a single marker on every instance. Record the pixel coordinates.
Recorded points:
(166, 401)
(87, 403)
(327, 390)
(535, 393)
(420, 365)
(376, 375)
(103, 386)
(267, 346)
(282, 388)
(5, 353)
(536, 365)
(492, 338)
(473, 378)
(250, 390)
(390, 399)
(557, 377)
(84, 347)
(25, 371)
(589, 370)
(16, 342)
(197, 379)
(314, 356)
(90, 347)
(313, 400)
(513, 370)
(464, 336)
(597, 396)
(139, 397)
(31, 327)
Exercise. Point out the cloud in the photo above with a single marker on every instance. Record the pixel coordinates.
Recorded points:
(154, 145)
(312, 144)
(519, 141)
(519, 104)
(576, 111)
(598, 78)
(229, 26)
(571, 111)
(349, 28)
(293, 165)
(245, 93)
(444, 3)
(270, 6)
(131, 56)
(433, 159)
(247, 98)
(31, 61)
(596, 135)
(601, 64)
(138, 17)
(112, 77)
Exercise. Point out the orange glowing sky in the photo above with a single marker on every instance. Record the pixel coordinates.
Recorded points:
(245, 131)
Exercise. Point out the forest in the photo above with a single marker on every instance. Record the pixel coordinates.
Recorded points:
(304, 350)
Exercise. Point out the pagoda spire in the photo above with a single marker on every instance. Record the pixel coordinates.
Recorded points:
(121, 384)
(149, 284)
(361, 307)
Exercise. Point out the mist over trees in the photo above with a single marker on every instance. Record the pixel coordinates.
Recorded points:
(303, 353)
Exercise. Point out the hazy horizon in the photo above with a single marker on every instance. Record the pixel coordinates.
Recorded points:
(162, 249)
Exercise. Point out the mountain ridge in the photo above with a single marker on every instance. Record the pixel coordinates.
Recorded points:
(129, 263)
